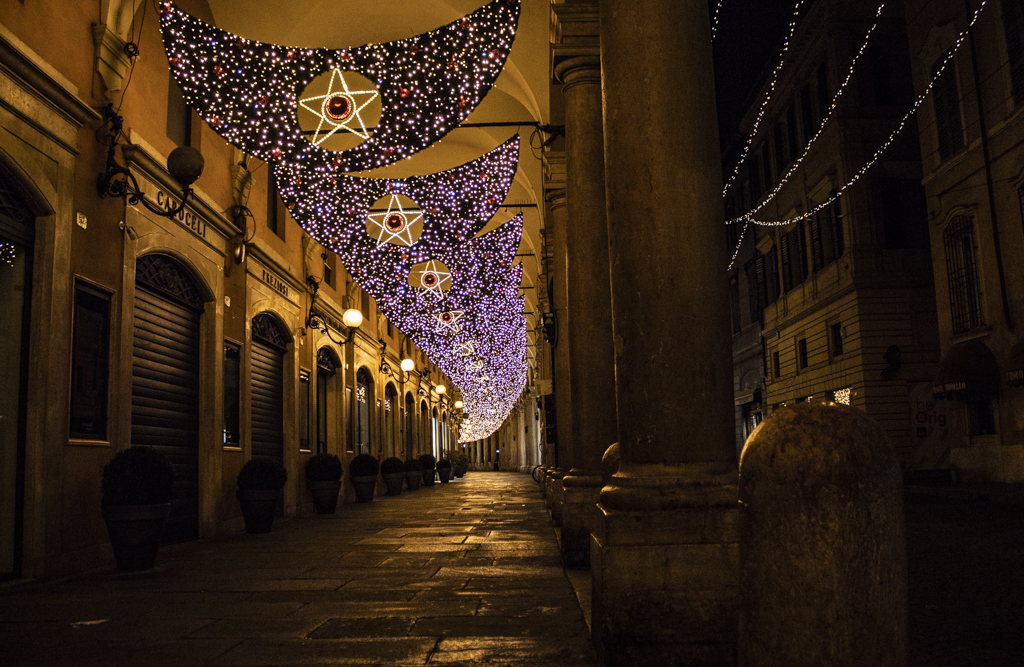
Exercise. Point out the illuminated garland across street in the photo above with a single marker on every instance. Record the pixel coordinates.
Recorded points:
(453, 292)
(249, 92)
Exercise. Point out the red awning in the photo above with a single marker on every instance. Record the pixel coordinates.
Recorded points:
(967, 368)
(1015, 371)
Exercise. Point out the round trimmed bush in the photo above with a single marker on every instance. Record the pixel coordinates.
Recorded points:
(444, 463)
(363, 465)
(137, 476)
(323, 468)
(391, 466)
(262, 474)
(427, 461)
(413, 465)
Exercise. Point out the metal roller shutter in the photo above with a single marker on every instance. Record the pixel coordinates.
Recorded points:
(165, 399)
(267, 401)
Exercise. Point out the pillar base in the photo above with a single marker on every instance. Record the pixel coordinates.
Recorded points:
(666, 581)
(581, 491)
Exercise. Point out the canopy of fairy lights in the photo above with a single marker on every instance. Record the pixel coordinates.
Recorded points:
(414, 244)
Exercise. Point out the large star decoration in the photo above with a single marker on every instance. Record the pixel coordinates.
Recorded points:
(448, 322)
(339, 108)
(434, 279)
(395, 224)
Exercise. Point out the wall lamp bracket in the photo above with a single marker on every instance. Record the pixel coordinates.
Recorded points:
(184, 164)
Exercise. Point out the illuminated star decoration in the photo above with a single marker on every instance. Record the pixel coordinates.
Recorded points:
(433, 279)
(395, 224)
(339, 108)
(448, 321)
(248, 91)
(466, 349)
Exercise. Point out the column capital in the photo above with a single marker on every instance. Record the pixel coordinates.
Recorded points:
(575, 31)
(577, 70)
(555, 197)
(553, 166)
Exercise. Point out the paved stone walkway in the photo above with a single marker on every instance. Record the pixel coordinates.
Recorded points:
(465, 573)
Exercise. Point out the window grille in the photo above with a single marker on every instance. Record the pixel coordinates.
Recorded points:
(962, 274)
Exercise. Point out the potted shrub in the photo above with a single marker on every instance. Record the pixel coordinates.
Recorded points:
(259, 492)
(323, 477)
(413, 474)
(136, 501)
(427, 464)
(363, 473)
(460, 464)
(394, 475)
(444, 470)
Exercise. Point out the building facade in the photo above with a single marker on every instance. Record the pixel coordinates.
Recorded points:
(971, 130)
(191, 333)
(834, 299)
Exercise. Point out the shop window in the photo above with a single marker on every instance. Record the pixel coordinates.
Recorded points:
(836, 338)
(304, 410)
(90, 357)
(946, 102)
(981, 415)
(232, 384)
(1013, 29)
(364, 397)
(962, 274)
(350, 416)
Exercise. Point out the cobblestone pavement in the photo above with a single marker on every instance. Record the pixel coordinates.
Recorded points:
(966, 581)
(465, 573)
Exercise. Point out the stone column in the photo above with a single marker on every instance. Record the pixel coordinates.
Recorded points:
(665, 557)
(591, 365)
(561, 371)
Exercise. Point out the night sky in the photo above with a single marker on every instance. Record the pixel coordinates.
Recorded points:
(749, 40)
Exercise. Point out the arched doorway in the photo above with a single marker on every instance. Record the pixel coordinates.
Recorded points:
(410, 442)
(165, 380)
(17, 231)
(269, 343)
(327, 365)
(364, 400)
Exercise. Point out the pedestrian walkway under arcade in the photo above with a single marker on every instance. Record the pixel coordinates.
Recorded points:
(463, 573)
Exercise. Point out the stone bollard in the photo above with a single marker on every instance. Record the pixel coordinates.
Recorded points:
(823, 571)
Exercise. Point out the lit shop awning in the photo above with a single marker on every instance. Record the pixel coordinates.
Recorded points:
(967, 368)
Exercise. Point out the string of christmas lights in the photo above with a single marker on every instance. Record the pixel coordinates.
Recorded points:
(768, 97)
(249, 92)
(714, 19)
(7, 253)
(824, 121)
(888, 142)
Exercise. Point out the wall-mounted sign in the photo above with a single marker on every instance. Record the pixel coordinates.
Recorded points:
(185, 218)
(275, 283)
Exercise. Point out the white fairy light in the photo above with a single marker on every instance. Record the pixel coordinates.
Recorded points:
(888, 142)
(821, 128)
(714, 19)
(768, 98)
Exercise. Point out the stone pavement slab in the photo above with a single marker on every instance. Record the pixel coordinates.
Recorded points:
(464, 573)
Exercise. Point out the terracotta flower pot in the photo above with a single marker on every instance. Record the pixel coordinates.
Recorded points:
(325, 495)
(413, 479)
(394, 483)
(364, 487)
(135, 533)
(258, 507)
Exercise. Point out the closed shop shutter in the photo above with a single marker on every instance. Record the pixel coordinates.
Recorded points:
(267, 389)
(165, 382)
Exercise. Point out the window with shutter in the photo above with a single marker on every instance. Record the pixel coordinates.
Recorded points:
(1013, 29)
(817, 256)
(794, 146)
(780, 150)
(772, 274)
(799, 253)
(946, 101)
(787, 269)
